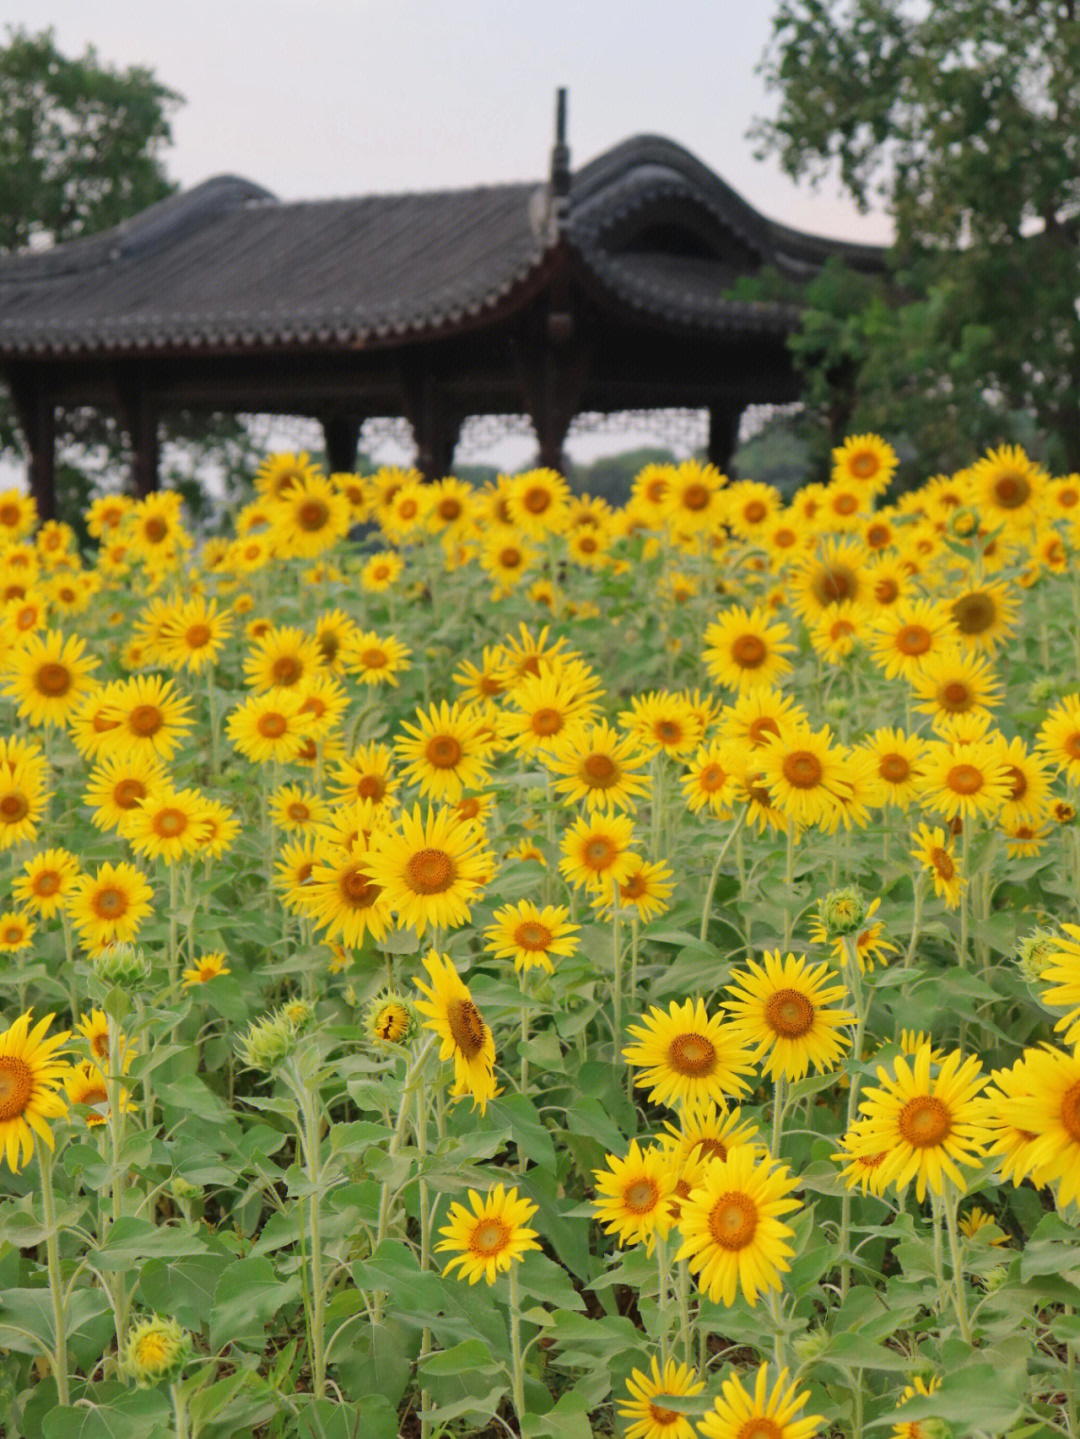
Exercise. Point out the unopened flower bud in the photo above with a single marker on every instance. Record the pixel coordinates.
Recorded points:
(156, 1350)
(842, 911)
(391, 1019)
(121, 965)
(1033, 953)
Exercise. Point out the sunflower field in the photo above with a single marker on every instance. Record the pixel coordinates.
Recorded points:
(477, 962)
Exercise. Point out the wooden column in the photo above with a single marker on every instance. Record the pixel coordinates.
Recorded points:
(436, 424)
(553, 382)
(36, 414)
(139, 420)
(723, 435)
(341, 436)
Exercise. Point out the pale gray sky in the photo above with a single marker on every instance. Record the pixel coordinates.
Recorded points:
(313, 98)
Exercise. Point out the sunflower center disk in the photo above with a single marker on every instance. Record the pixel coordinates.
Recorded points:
(1011, 491)
(312, 516)
(467, 1028)
(830, 586)
(510, 558)
(711, 1148)
(286, 670)
(53, 679)
(489, 1237)
(955, 697)
(711, 778)
(845, 504)
(663, 1416)
(924, 1122)
(145, 720)
(443, 751)
(733, 1220)
(197, 637)
(47, 883)
(531, 935)
(913, 640)
(1070, 1112)
(864, 465)
(695, 497)
(973, 614)
(272, 726)
(748, 651)
(110, 903)
(755, 512)
(1019, 782)
(431, 871)
(374, 659)
(299, 812)
(942, 862)
(599, 771)
(599, 853)
(760, 1428)
(16, 1086)
(692, 1054)
(357, 890)
(370, 787)
(128, 793)
(14, 807)
(546, 721)
(802, 769)
(641, 1196)
(170, 822)
(760, 727)
(155, 530)
(894, 768)
(789, 1013)
(536, 500)
(964, 779)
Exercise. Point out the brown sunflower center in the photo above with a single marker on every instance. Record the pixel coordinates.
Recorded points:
(532, 935)
(298, 811)
(834, 583)
(760, 727)
(913, 639)
(789, 1013)
(9, 515)
(16, 1086)
(641, 1196)
(53, 679)
(110, 903)
(1071, 744)
(599, 852)
(467, 1028)
(489, 1237)
(878, 536)
(197, 636)
(733, 1220)
(272, 725)
(1012, 491)
(748, 651)
(443, 751)
(802, 769)
(14, 934)
(46, 883)
(955, 696)
(1018, 782)
(430, 871)
(755, 512)
(13, 808)
(145, 720)
(357, 890)
(711, 1148)
(712, 778)
(695, 497)
(510, 557)
(537, 499)
(635, 887)
(286, 670)
(924, 1121)
(864, 464)
(599, 770)
(1070, 1112)
(546, 721)
(662, 1416)
(886, 591)
(692, 1054)
(448, 508)
(313, 515)
(894, 768)
(965, 779)
(668, 731)
(168, 823)
(845, 503)
(128, 793)
(942, 862)
(370, 786)
(155, 529)
(760, 1427)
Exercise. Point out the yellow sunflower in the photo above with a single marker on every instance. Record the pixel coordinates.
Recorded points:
(806, 775)
(596, 851)
(694, 501)
(167, 825)
(486, 1239)
(733, 1237)
(952, 681)
(22, 804)
(269, 726)
(786, 1008)
(280, 473)
(596, 764)
(687, 1056)
(281, 659)
(1059, 736)
(633, 1195)
(663, 723)
(867, 461)
(341, 898)
(506, 558)
(195, 636)
(1050, 1114)
(48, 676)
(206, 967)
(966, 780)
(541, 706)
(109, 905)
(445, 752)
(1007, 488)
(651, 1418)
(530, 936)
(309, 517)
(46, 881)
(380, 571)
(537, 502)
(16, 931)
(466, 1039)
(936, 852)
(119, 784)
(150, 715)
(908, 633)
(984, 615)
(745, 651)
(376, 659)
(835, 574)
(431, 868)
(645, 891)
(367, 774)
(765, 1414)
(897, 760)
(31, 1073)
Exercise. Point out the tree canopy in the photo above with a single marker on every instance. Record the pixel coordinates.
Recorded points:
(964, 118)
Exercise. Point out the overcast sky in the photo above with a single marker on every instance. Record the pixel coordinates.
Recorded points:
(313, 98)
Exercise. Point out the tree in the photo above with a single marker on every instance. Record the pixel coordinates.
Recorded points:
(965, 118)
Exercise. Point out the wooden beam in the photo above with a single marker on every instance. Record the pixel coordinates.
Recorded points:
(139, 420)
(436, 424)
(35, 411)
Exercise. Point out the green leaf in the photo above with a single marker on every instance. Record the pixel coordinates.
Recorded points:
(472, 1356)
(978, 1397)
(246, 1297)
(133, 1414)
(131, 1242)
(526, 1129)
(371, 1417)
(183, 1288)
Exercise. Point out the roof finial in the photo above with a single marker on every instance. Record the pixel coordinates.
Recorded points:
(560, 161)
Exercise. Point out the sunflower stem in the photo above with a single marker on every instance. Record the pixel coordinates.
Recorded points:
(789, 882)
(959, 1296)
(424, 1215)
(517, 1360)
(617, 981)
(706, 913)
(663, 1296)
(210, 720)
(179, 1405)
(939, 1256)
(686, 1326)
(310, 1140)
(916, 921)
(859, 1000)
(962, 945)
(56, 1282)
(779, 1106)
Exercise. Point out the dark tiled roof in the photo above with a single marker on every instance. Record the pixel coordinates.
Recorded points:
(227, 265)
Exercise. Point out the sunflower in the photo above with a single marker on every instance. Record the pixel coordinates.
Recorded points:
(952, 682)
(1050, 1114)
(506, 558)
(280, 473)
(431, 868)
(154, 528)
(838, 630)
(589, 548)
(1059, 736)
(645, 890)
(167, 825)
(1006, 1113)
(466, 1039)
(293, 809)
(866, 461)
(323, 703)
(870, 945)
(269, 726)
(908, 633)
(756, 717)
(86, 1084)
(745, 651)
(282, 658)
(596, 851)
(523, 654)
(537, 503)
(119, 784)
(1030, 785)
(403, 516)
(984, 615)
(767, 1414)
(595, 764)
(16, 931)
(835, 574)
(446, 752)
(342, 899)
(205, 968)
(751, 508)
(483, 681)
(633, 1194)
(334, 631)
(688, 1056)
(785, 1008)
(46, 882)
(367, 774)
(31, 1073)
(805, 775)
(977, 1221)
(705, 1134)
(541, 706)
(293, 870)
(530, 936)
(380, 571)
(694, 501)
(732, 1235)
(309, 517)
(376, 659)
(487, 1239)
(935, 851)
(652, 1420)
(150, 717)
(865, 1171)
(48, 675)
(927, 1126)
(710, 780)
(194, 637)
(662, 723)
(966, 780)
(22, 804)
(89, 724)
(1007, 488)
(109, 906)
(1060, 966)
(18, 515)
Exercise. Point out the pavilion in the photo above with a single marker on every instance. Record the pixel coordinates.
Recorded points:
(601, 290)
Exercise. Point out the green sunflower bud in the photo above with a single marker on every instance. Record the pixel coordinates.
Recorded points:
(156, 1350)
(842, 911)
(268, 1042)
(121, 965)
(391, 1019)
(1033, 953)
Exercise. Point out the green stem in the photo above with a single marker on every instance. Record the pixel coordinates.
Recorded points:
(916, 921)
(663, 1293)
(779, 1106)
(939, 1257)
(859, 1000)
(617, 981)
(789, 882)
(1070, 1382)
(56, 1283)
(962, 946)
(179, 1410)
(311, 1141)
(959, 1294)
(706, 912)
(424, 1215)
(686, 1328)
(517, 1361)
(524, 1082)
